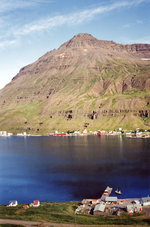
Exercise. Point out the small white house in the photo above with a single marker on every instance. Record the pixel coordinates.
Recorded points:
(10, 134)
(13, 203)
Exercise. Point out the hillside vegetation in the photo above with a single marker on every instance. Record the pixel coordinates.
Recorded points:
(65, 213)
(84, 81)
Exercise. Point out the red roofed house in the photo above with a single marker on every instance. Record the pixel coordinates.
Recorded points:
(36, 203)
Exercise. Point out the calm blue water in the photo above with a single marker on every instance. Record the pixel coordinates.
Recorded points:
(72, 168)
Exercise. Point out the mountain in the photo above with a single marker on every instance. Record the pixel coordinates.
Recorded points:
(86, 82)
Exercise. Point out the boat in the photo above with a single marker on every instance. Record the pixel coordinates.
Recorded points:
(118, 192)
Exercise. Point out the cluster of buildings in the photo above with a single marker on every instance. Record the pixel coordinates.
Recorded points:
(111, 205)
(106, 205)
(119, 131)
(135, 134)
(5, 133)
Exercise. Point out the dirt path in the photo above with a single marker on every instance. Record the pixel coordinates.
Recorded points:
(31, 223)
(38, 224)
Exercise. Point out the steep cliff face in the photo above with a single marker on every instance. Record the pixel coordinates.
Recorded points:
(142, 50)
(83, 75)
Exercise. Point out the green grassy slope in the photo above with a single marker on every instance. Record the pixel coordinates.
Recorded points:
(64, 213)
(111, 85)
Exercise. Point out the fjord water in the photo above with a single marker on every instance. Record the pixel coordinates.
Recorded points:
(72, 168)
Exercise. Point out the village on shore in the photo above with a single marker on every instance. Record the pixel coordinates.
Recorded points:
(112, 205)
(106, 205)
(138, 133)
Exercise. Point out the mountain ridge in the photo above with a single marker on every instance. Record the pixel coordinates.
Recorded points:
(142, 49)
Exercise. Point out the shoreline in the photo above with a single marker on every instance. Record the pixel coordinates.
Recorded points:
(128, 135)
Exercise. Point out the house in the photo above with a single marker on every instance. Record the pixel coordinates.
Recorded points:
(36, 203)
(145, 201)
(99, 208)
(13, 203)
(3, 133)
(110, 199)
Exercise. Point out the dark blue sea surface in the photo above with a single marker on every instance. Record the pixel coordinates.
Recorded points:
(72, 168)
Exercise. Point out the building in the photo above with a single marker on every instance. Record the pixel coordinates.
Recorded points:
(36, 203)
(99, 208)
(13, 203)
(111, 200)
(145, 201)
(134, 208)
(3, 133)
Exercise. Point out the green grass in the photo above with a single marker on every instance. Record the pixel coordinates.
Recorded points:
(60, 124)
(113, 102)
(31, 109)
(64, 213)
(136, 93)
(147, 121)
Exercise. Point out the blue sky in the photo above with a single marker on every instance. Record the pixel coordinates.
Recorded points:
(30, 28)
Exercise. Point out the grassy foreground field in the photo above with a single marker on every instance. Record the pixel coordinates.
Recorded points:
(64, 213)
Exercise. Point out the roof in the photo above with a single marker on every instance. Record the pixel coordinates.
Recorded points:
(13, 201)
(36, 202)
(111, 199)
(95, 200)
(25, 207)
(100, 207)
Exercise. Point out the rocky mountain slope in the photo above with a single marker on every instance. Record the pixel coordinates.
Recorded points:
(86, 82)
